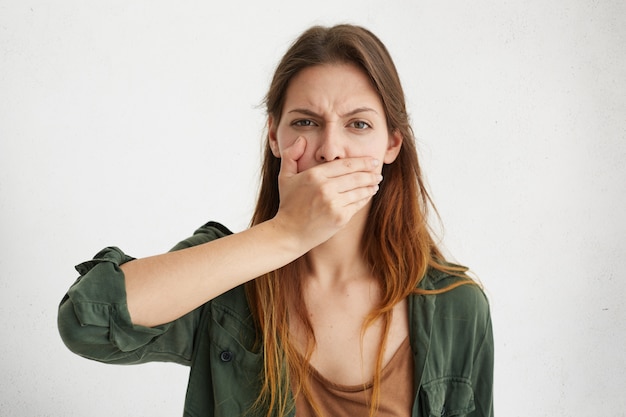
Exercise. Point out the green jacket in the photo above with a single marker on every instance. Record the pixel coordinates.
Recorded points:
(450, 333)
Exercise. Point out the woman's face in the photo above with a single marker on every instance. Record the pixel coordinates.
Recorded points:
(336, 109)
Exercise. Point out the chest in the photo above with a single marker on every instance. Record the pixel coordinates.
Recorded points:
(346, 350)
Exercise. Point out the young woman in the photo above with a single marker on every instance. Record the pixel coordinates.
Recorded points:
(336, 301)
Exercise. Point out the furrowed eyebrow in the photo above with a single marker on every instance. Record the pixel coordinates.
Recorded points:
(311, 113)
(359, 110)
(306, 112)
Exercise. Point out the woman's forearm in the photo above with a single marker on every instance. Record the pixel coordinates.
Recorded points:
(162, 288)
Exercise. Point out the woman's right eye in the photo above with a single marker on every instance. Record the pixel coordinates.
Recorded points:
(303, 123)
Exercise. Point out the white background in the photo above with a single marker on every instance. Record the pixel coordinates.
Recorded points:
(131, 123)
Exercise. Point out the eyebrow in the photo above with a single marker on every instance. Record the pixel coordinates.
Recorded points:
(348, 114)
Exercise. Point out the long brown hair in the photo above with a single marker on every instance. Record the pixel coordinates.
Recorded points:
(397, 242)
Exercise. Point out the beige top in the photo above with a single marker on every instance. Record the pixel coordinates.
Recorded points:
(335, 400)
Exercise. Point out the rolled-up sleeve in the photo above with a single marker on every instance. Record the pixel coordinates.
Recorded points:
(94, 321)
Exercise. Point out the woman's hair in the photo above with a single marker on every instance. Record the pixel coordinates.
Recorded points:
(397, 243)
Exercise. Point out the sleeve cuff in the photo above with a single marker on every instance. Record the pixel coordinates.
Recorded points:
(99, 299)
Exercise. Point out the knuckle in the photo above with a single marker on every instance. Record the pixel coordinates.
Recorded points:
(326, 191)
(338, 218)
(313, 176)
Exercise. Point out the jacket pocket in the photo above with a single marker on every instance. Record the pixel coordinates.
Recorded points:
(235, 370)
(229, 346)
(447, 397)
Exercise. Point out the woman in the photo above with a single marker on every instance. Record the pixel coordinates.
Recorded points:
(336, 301)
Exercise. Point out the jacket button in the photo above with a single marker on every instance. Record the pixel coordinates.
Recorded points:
(226, 356)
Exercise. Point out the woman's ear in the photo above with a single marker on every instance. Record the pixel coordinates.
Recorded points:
(393, 147)
(271, 129)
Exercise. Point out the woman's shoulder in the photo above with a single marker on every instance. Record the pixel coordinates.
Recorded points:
(454, 292)
(209, 231)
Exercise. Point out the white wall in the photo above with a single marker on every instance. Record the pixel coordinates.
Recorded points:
(132, 123)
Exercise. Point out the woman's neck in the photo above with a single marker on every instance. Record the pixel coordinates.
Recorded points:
(340, 259)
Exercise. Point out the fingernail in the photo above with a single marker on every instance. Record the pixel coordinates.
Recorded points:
(375, 162)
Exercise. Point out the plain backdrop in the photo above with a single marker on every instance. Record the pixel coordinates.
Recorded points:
(131, 123)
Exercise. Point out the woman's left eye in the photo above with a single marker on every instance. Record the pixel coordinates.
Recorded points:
(360, 125)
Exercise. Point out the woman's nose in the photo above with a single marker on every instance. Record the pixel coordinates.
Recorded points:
(330, 146)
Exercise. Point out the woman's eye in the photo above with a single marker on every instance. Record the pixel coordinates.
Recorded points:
(360, 125)
(304, 123)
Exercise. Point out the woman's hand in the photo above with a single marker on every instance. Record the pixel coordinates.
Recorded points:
(316, 203)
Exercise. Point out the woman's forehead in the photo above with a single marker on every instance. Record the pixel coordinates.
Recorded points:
(340, 87)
